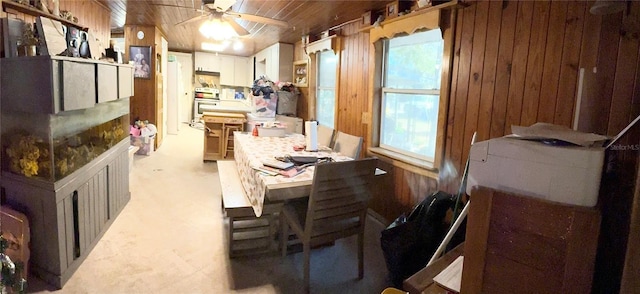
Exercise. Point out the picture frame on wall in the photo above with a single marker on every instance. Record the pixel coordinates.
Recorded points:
(140, 57)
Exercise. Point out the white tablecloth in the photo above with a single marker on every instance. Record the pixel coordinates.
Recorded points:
(250, 151)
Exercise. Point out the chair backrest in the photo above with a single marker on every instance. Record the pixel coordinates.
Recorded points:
(348, 145)
(325, 136)
(339, 199)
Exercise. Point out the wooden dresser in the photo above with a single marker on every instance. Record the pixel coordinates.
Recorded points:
(218, 133)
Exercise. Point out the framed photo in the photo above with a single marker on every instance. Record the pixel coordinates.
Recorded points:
(140, 56)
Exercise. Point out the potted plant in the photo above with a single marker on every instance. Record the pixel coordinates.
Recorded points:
(29, 40)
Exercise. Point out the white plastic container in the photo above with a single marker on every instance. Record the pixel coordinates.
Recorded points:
(565, 174)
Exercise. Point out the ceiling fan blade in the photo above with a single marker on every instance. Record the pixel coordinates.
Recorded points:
(259, 19)
(236, 27)
(193, 19)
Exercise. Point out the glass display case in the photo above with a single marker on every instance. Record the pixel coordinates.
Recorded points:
(50, 147)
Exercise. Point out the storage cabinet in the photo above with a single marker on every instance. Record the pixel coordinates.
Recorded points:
(218, 133)
(300, 77)
(69, 217)
(55, 83)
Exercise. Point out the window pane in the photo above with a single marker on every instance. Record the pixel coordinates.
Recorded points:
(325, 107)
(327, 70)
(414, 61)
(409, 124)
(325, 101)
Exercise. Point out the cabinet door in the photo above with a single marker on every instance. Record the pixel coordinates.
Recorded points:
(107, 82)
(241, 72)
(227, 70)
(78, 85)
(207, 62)
(125, 81)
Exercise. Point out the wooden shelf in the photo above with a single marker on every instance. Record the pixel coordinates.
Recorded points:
(8, 4)
(300, 71)
(449, 5)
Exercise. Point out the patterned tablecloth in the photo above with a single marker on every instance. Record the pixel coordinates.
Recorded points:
(250, 151)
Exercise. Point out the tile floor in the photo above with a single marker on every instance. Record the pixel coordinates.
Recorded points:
(170, 238)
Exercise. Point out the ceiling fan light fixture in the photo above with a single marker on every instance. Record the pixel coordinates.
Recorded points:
(217, 29)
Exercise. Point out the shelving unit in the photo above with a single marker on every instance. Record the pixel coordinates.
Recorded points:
(300, 70)
(8, 4)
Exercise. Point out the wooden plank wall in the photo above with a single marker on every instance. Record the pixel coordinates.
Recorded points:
(90, 14)
(146, 103)
(517, 63)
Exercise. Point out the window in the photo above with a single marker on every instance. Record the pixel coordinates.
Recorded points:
(326, 96)
(412, 70)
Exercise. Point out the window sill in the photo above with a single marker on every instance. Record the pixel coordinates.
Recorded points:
(421, 167)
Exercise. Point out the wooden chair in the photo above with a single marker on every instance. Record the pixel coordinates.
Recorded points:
(325, 136)
(336, 209)
(348, 145)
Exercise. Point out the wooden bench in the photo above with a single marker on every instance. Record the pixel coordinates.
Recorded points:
(248, 234)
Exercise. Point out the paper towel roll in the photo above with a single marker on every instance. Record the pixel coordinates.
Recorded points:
(311, 135)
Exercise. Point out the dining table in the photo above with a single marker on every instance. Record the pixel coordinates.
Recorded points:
(250, 152)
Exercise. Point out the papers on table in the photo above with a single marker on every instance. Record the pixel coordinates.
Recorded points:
(451, 277)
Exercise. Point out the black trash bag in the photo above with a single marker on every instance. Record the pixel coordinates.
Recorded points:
(408, 243)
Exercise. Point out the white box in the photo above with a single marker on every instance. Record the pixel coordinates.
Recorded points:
(271, 132)
(564, 174)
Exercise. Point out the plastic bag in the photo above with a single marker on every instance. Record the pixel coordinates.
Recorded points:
(409, 242)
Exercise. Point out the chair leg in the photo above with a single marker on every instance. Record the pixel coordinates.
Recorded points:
(360, 255)
(307, 260)
(284, 234)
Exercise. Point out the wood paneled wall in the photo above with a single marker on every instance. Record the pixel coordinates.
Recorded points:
(91, 14)
(302, 107)
(517, 63)
(146, 104)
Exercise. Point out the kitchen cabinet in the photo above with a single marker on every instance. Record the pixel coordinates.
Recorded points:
(242, 76)
(218, 134)
(275, 62)
(227, 70)
(233, 69)
(207, 62)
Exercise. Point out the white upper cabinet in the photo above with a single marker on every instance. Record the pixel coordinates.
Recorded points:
(276, 62)
(242, 76)
(233, 69)
(207, 62)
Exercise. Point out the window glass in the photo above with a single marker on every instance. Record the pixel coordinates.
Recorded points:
(325, 98)
(411, 94)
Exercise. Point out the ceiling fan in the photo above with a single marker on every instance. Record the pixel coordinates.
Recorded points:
(220, 11)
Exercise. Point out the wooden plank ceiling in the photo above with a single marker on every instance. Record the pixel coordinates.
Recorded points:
(304, 17)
